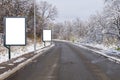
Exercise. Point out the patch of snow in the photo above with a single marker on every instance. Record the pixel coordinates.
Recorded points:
(19, 60)
(100, 46)
(2, 67)
(4, 57)
(104, 49)
(11, 64)
(111, 51)
(61, 40)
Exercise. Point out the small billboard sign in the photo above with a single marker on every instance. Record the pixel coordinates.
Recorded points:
(47, 35)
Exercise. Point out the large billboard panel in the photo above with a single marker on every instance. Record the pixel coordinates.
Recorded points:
(15, 31)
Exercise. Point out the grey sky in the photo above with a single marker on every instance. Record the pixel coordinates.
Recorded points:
(71, 9)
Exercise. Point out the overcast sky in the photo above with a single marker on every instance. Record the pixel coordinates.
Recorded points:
(71, 9)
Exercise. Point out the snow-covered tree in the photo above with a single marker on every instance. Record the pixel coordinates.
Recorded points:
(46, 13)
(112, 14)
(15, 8)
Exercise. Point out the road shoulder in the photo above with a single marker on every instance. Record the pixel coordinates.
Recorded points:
(13, 65)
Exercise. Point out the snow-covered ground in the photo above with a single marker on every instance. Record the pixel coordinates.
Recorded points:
(19, 60)
(106, 49)
(17, 51)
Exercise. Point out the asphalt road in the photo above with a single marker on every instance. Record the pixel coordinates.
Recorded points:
(68, 62)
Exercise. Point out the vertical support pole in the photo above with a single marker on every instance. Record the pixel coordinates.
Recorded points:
(34, 26)
(9, 50)
(44, 44)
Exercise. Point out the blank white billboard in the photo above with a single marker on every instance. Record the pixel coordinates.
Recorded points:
(47, 35)
(15, 31)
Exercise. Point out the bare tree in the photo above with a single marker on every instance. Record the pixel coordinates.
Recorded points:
(45, 14)
(15, 8)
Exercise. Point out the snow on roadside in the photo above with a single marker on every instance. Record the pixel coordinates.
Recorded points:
(61, 40)
(2, 67)
(10, 64)
(111, 52)
(19, 60)
(19, 50)
(101, 46)
(104, 49)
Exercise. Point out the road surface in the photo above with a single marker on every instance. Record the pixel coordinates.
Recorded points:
(68, 62)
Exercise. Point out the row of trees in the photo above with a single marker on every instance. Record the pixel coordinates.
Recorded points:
(102, 28)
(70, 30)
(45, 13)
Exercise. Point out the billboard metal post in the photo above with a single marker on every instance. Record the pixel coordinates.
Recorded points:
(34, 26)
(9, 52)
(44, 43)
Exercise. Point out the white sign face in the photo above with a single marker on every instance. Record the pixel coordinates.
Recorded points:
(15, 31)
(47, 35)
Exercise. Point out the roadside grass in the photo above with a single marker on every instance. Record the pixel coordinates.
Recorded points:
(118, 49)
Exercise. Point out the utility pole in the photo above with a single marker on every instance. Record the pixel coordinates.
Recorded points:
(34, 26)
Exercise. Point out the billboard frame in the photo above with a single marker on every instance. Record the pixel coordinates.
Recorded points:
(8, 46)
(5, 33)
(43, 36)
